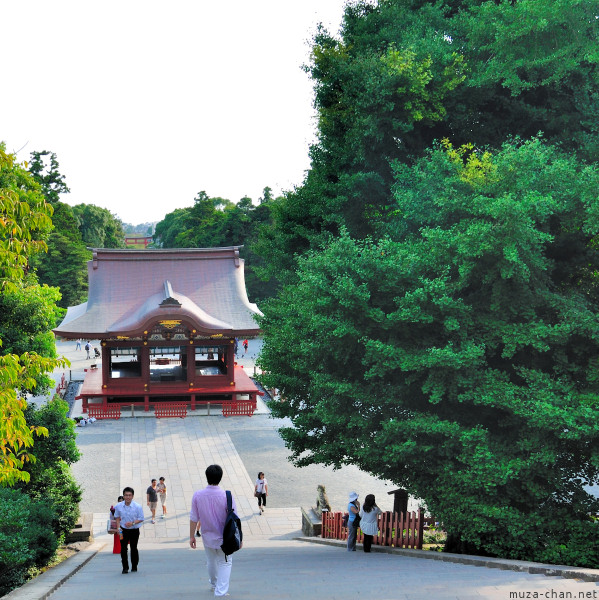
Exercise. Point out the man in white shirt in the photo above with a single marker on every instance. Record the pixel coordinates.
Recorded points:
(129, 518)
(209, 506)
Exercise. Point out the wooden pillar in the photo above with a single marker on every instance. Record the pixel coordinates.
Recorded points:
(193, 402)
(144, 359)
(147, 403)
(191, 365)
(231, 361)
(105, 365)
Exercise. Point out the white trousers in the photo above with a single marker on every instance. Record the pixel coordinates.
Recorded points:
(219, 570)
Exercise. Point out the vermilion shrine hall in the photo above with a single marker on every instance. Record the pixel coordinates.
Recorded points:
(167, 322)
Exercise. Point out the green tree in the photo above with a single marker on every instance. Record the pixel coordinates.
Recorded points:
(406, 73)
(99, 227)
(44, 168)
(25, 220)
(216, 221)
(28, 314)
(64, 265)
(51, 481)
(457, 355)
(26, 537)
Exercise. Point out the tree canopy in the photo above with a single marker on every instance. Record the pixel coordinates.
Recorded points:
(437, 325)
(25, 220)
(64, 265)
(405, 73)
(457, 355)
(213, 222)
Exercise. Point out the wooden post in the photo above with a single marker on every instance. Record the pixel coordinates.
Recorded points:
(420, 528)
(400, 500)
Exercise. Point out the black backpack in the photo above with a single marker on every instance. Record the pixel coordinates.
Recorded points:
(232, 535)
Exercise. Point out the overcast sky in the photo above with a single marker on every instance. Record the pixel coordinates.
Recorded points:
(147, 103)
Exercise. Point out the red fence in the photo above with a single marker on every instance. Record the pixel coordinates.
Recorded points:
(400, 530)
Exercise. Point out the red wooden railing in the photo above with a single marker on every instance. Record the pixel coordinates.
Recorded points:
(237, 408)
(111, 411)
(400, 530)
(170, 409)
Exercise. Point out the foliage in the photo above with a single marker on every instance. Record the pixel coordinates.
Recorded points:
(65, 266)
(145, 228)
(51, 481)
(99, 228)
(457, 355)
(28, 312)
(25, 219)
(44, 168)
(57, 489)
(213, 222)
(65, 263)
(60, 445)
(404, 74)
(26, 537)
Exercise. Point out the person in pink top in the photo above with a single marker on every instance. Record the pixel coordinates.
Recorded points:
(209, 506)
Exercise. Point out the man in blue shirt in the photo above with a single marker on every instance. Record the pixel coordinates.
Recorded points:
(129, 518)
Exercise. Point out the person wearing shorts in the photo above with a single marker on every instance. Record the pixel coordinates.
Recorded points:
(161, 489)
(152, 497)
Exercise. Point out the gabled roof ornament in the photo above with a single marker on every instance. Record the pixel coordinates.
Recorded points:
(169, 300)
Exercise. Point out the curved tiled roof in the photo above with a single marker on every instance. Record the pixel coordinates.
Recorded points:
(129, 289)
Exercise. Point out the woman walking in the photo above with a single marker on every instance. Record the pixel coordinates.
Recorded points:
(161, 489)
(261, 491)
(369, 524)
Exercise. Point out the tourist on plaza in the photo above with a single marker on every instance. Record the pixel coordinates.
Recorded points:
(116, 546)
(129, 518)
(210, 507)
(261, 491)
(370, 520)
(161, 489)
(245, 346)
(353, 508)
(152, 498)
(236, 346)
(78, 345)
(88, 347)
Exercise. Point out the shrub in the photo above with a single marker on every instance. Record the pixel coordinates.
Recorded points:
(26, 537)
(58, 489)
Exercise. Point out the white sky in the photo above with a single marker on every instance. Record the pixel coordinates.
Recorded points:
(146, 103)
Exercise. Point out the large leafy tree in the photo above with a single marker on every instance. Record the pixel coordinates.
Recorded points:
(25, 221)
(407, 72)
(212, 222)
(457, 355)
(51, 479)
(64, 265)
(99, 227)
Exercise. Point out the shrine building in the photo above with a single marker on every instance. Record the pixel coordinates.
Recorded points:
(167, 322)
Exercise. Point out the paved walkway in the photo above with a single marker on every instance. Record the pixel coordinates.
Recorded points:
(273, 563)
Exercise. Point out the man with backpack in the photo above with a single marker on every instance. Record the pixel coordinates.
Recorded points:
(218, 521)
